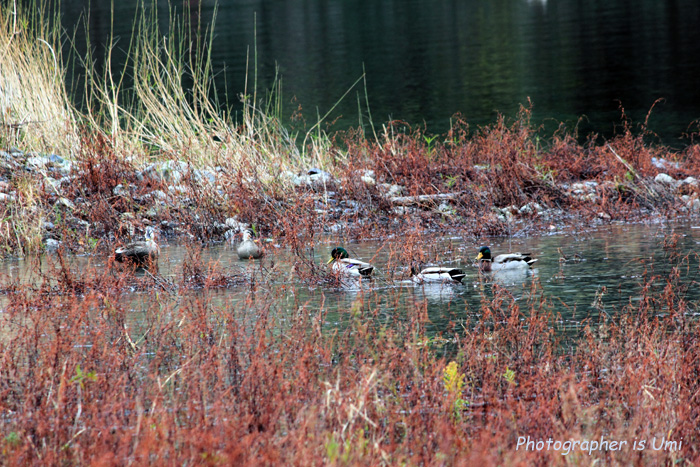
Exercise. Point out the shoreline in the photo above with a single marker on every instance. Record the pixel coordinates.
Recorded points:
(80, 203)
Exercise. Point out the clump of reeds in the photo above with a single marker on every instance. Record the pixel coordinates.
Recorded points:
(35, 109)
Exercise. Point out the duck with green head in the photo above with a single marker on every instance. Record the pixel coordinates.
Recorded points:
(507, 261)
(342, 263)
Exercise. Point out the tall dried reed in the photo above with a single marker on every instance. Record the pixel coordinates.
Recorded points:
(35, 109)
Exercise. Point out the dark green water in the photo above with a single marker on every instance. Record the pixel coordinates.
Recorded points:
(426, 60)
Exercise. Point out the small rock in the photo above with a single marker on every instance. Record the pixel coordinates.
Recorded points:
(236, 225)
(179, 189)
(159, 194)
(336, 228)
(368, 180)
(172, 176)
(313, 177)
(692, 181)
(6, 197)
(65, 181)
(506, 214)
(51, 245)
(368, 177)
(173, 171)
(391, 190)
(141, 175)
(51, 184)
(531, 208)
(55, 159)
(204, 176)
(665, 179)
(36, 162)
(444, 207)
(66, 167)
(120, 190)
(694, 205)
(295, 179)
(661, 163)
(47, 225)
(583, 187)
(7, 161)
(66, 202)
(154, 212)
(604, 216)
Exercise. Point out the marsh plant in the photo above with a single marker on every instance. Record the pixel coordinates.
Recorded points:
(83, 381)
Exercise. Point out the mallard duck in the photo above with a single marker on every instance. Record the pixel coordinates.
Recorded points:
(248, 249)
(141, 253)
(437, 274)
(343, 264)
(504, 261)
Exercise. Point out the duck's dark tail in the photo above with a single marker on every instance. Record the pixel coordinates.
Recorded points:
(366, 270)
(457, 275)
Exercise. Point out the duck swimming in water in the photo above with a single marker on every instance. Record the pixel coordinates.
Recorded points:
(342, 263)
(437, 274)
(142, 253)
(502, 262)
(248, 249)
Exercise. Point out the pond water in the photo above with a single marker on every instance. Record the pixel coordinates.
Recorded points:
(425, 61)
(611, 265)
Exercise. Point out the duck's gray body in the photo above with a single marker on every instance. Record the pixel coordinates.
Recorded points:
(352, 267)
(507, 261)
(437, 274)
(141, 253)
(248, 249)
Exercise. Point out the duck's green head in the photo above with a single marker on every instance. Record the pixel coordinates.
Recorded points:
(484, 253)
(338, 253)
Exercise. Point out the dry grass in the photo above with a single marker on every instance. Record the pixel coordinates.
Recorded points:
(248, 383)
(35, 109)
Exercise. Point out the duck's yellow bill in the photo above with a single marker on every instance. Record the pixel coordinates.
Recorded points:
(330, 261)
(479, 256)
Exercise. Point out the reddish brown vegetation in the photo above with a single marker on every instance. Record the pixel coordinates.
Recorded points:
(486, 172)
(193, 382)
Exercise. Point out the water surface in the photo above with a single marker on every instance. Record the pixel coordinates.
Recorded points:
(613, 264)
(426, 61)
